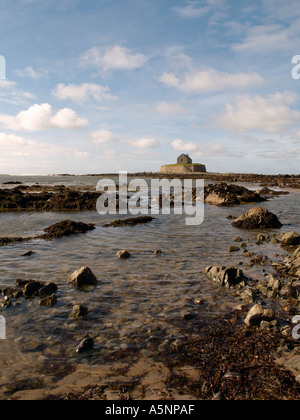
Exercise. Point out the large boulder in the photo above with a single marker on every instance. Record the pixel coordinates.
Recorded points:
(226, 276)
(258, 218)
(83, 277)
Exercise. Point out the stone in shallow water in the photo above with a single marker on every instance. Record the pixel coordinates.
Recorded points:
(79, 311)
(83, 277)
(86, 344)
(258, 218)
(124, 255)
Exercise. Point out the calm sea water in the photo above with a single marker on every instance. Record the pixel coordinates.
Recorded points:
(135, 301)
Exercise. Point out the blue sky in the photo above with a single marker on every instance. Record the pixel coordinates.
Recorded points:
(97, 86)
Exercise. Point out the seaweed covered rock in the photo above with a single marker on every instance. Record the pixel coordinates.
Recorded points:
(258, 218)
(132, 221)
(66, 228)
(63, 199)
(225, 195)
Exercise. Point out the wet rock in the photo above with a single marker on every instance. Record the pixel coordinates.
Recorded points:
(134, 221)
(21, 198)
(267, 192)
(9, 291)
(188, 316)
(224, 195)
(66, 228)
(56, 231)
(234, 249)
(5, 303)
(257, 314)
(291, 238)
(79, 311)
(86, 344)
(32, 288)
(238, 239)
(158, 252)
(22, 282)
(265, 325)
(28, 254)
(47, 290)
(123, 255)
(258, 218)
(83, 277)
(49, 301)
(226, 276)
(274, 284)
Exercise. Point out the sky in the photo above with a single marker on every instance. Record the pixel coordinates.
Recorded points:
(101, 86)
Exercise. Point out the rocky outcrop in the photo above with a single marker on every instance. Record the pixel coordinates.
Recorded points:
(266, 192)
(65, 199)
(57, 231)
(258, 218)
(83, 277)
(224, 195)
(66, 228)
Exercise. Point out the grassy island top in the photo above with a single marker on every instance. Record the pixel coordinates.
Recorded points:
(186, 164)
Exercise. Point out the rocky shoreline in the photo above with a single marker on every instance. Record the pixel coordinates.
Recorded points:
(237, 358)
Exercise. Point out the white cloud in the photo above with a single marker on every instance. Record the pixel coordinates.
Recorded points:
(197, 9)
(103, 136)
(144, 143)
(270, 114)
(83, 92)
(41, 117)
(210, 81)
(191, 11)
(9, 93)
(16, 146)
(113, 58)
(201, 150)
(165, 108)
(182, 146)
(30, 73)
(269, 38)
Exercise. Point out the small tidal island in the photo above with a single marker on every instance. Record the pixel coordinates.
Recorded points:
(184, 165)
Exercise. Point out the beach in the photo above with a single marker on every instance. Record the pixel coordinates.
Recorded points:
(149, 315)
